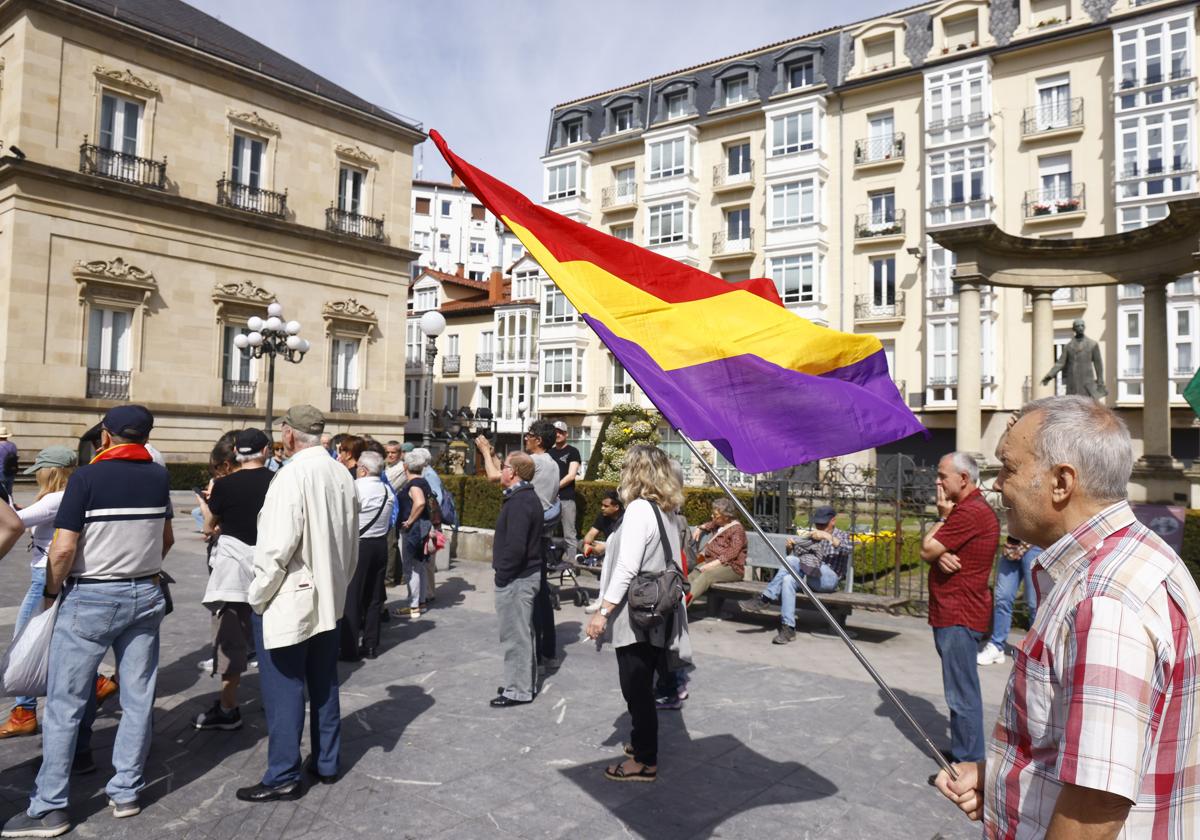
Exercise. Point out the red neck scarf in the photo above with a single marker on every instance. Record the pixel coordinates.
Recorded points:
(123, 452)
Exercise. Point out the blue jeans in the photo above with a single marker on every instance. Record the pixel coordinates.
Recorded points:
(782, 587)
(1009, 574)
(124, 615)
(284, 673)
(958, 646)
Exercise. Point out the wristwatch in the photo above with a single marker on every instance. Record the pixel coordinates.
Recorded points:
(46, 593)
(605, 612)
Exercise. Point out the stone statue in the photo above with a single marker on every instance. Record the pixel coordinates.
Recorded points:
(1079, 357)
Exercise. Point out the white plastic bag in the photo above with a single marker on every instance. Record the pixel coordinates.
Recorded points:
(27, 661)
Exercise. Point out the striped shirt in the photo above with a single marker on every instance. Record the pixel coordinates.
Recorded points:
(1103, 692)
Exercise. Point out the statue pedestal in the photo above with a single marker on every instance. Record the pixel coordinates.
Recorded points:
(1161, 480)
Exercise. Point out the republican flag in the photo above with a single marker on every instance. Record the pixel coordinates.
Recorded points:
(724, 362)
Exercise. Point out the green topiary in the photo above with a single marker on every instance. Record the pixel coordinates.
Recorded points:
(628, 425)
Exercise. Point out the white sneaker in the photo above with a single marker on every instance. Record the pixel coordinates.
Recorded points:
(206, 666)
(990, 655)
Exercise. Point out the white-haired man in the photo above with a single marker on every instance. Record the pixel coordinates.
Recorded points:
(960, 550)
(1097, 735)
(366, 594)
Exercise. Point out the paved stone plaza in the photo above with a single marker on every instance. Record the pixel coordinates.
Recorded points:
(792, 741)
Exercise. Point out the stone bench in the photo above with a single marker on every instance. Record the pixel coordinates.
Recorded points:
(841, 604)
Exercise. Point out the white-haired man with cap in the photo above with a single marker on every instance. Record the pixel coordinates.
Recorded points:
(304, 559)
(1097, 735)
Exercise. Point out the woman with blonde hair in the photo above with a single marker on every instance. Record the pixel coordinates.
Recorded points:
(651, 490)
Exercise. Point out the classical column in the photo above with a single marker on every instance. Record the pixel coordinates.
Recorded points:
(1156, 384)
(970, 370)
(1043, 341)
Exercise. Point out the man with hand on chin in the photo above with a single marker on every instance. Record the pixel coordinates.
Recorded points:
(960, 549)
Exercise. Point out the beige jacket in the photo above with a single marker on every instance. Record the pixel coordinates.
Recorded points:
(307, 549)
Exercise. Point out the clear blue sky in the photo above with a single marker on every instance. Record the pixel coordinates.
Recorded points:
(487, 74)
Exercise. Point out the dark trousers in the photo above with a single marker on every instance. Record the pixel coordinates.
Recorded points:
(636, 665)
(284, 674)
(364, 597)
(543, 621)
(393, 574)
(958, 646)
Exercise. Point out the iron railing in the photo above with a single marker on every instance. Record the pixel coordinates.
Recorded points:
(620, 195)
(610, 396)
(450, 364)
(353, 224)
(1156, 168)
(870, 225)
(343, 399)
(879, 149)
(108, 384)
(483, 362)
(1053, 201)
(722, 177)
(412, 365)
(1052, 116)
(254, 199)
(867, 308)
(239, 394)
(723, 245)
(129, 169)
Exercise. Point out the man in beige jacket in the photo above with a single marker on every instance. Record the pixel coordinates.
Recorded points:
(305, 556)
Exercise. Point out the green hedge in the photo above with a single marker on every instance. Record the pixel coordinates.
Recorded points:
(187, 476)
(1191, 542)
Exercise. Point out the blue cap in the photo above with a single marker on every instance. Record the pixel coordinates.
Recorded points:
(129, 421)
(821, 515)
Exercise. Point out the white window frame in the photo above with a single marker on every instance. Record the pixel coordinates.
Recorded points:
(556, 309)
(957, 104)
(110, 339)
(1053, 101)
(799, 63)
(115, 121)
(1171, 133)
(667, 223)
(883, 281)
(562, 181)
(244, 168)
(425, 298)
(352, 190)
(478, 247)
(797, 277)
(525, 284)
(561, 370)
(1171, 42)
(675, 104)
(795, 132)
(794, 203)
(951, 174)
(669, 158)
(343, 357)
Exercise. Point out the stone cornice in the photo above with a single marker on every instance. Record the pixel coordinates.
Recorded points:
(126, 79)
(114, 269)
(114, 279)
(252, 119)
(349, 315)
(355, 154)
(242, 292)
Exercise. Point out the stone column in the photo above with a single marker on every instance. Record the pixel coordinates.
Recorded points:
(1043, 341)
(970, 344)
(1156, 384)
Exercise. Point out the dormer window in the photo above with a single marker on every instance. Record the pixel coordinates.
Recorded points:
(961, 32)
(798, 67)
(800, 73)
(879, 53)
(572, 131)
(622, 118)
(675, 104)
(737, 89)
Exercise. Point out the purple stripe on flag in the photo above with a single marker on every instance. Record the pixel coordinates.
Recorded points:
(763, 417)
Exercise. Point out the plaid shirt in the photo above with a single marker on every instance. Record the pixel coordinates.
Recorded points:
(1103, 692)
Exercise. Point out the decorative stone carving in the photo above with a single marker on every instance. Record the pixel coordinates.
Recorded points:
(253, 120)
(244, 291)
(126, 78)
(1003, 17)
(114, 280)
(1098, 10)
(348, 315)
(355, 154)
(918, 37)
(116, 269)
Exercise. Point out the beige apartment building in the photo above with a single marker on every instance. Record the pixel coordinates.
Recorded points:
(166, 177)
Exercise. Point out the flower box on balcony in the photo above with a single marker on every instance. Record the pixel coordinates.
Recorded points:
(1067, 205)
(1041, 209)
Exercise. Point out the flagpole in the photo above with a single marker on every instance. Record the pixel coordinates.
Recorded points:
(803, 584)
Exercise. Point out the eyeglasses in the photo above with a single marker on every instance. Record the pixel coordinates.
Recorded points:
(506, 466)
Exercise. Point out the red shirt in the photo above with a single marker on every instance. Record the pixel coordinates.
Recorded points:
(972, 532)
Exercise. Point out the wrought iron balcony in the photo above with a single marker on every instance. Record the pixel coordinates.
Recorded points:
(239, 394)
(450, 364)
(343, 399)
(1054, 116)
(620, 195)
(108, 384)
(1054, 202)
(724, 179)
(610, 396)
(353, 224)
(871, 225)
(724, 246)
(483, 362)
(885, 148)
(254, 199)
(129, 169)
(867, 308)
(412, 365)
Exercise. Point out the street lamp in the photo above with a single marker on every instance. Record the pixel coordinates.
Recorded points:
(272, 337)
(432, 325)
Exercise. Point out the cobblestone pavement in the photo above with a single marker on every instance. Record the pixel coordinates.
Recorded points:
(774, 742)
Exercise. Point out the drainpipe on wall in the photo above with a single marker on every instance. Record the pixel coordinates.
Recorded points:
(841, 215)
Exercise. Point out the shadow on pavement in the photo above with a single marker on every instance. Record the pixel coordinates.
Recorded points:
(382, 723)
(927, 714)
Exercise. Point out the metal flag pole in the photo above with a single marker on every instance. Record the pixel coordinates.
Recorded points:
(803, 584)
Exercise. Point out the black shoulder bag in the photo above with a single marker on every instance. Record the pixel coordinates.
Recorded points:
(654, 596)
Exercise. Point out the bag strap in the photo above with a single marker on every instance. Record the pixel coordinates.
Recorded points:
(666, 544)
(374, 518)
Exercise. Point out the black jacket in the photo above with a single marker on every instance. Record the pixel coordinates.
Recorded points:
(517, 550)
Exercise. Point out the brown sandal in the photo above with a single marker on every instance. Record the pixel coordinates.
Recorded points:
(617, 773)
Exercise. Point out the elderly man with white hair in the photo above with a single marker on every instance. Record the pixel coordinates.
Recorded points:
(1097, 736)
(435, 486)
(366, 593)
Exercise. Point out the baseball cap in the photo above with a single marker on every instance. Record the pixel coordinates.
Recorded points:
(52, 456)
(560, 425)
(304, 418)
(823, 514)
(407, 447)
(129, 421)
(251, 441)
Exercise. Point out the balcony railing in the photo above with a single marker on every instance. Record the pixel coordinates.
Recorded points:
(722, 177)
(450, 364)
(724, 245)
(108, 384)
(130, 169)
(1182, 372)
(867, 308)
(870, 225)
(1053, 116)
(952, 381)
(957, 122)
(483, 362)
(343, 399)
(621, 195)
(1131, 371)
(254, 199)
(879, 149)
(238, 394)
(610, 396)
(412, 365)
(1156, 168)
(1053, 202)
(353, 224)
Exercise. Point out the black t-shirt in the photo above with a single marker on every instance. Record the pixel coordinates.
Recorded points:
(236, 500)
(406, 503)
(606, 526)
(563, 457)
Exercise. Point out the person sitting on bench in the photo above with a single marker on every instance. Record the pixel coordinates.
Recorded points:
(820, 554)
(723, 558)
(608, 520)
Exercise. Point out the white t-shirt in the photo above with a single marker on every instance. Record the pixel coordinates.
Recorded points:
(40, 517)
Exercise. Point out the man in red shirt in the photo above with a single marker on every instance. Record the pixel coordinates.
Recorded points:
(960, 549)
